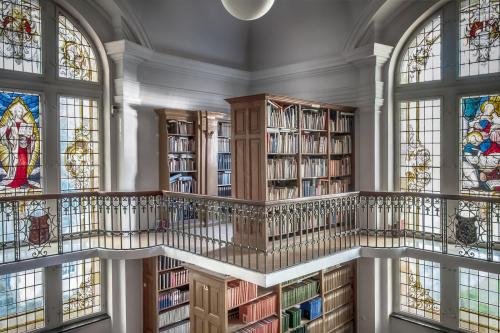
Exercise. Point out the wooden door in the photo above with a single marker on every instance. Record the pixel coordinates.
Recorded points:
(207, 304)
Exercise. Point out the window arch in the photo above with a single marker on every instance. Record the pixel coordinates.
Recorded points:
(50, 128)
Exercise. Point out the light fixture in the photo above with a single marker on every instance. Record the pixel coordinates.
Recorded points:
(247, 10)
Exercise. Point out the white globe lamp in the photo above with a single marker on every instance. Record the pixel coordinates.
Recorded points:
(248, 10)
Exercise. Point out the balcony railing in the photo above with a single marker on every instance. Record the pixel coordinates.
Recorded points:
(261, 236)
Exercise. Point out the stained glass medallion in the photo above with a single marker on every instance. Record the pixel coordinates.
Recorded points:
(480, 149)
(20, 36)
(479, 37)
(20, 143)
(76, 56)
(422, 58)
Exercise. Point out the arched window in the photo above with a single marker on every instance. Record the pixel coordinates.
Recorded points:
(50, 102)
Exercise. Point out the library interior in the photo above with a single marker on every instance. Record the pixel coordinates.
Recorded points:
(249, 166)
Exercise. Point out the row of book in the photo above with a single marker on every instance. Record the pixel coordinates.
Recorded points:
(337, 278)
(270, 325)
(299, 292)
(313, 167)
(180, 127)
(224, 178)
(173, 279)
(340, 185)
(315, 326)
(282, 143)
(183, 162)
(341, 144)
(340, 167)
(224, 162)
(338, 318)
(224, 145)
(224, 191)
(172, 297)
(224, 129)
(338, 298)
(341, 122)
(314, 144)
(180, 144)
(291, 317)
(313, 119)
(171, 317)
(349, 328)
(184, 327)
(240, 292)
(292, 226)
(283, 117)
(311, 309)
(282, 192)
(167, 263)
(181, 183)
(282, 168)
(314, 187)
(259, 309)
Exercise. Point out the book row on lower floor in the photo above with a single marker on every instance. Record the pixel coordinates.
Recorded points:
(183, 298)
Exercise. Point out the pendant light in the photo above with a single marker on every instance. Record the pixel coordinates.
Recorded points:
(248, 10)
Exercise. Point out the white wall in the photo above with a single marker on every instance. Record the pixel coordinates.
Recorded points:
(397, 326)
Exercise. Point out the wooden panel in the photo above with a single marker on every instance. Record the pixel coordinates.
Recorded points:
(256, 179)
(239, 169)
(254, 119)
(150, 312)
(206, 304)
(239, 123)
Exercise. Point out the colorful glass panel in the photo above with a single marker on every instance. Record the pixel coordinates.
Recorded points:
(20, 143)
(76, 56)
(79, 144)
(422, 58)
(22, 301)
(480, 144)
(479, 301)
(479, 37)
(20, 36)
(81, 287)
(420, 146)
(420, 288)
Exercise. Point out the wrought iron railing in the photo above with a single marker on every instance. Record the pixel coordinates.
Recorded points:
(261, 236)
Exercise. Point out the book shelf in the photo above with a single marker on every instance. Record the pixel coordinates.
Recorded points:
(179, 146)
(323, 302)
(224, 157)
(286, 148)
(165, 296)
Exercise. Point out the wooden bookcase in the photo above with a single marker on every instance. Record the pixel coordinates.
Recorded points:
(270, 136)
(335, 290)
(179, 132)
(224, 157)
(165, 296)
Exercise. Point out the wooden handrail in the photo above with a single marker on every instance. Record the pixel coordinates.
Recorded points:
(79, 195)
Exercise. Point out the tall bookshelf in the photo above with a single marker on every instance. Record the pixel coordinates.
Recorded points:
(322, 302)
(179, 146)
(165, 296)
(224, 157)
(285, 148)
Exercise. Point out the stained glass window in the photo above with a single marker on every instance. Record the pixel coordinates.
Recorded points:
(81, 286)
(480, 144)
(76, 56)
(79, 144)
(420, 288)
(20, 36)
(479, 301)
(22, 301)
(421, 60)
(20, 143)
(479, 37)
(420, 145)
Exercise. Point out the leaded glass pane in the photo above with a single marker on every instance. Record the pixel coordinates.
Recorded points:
(20, 143)
(421, 61)
(420, 146)
(76, 56)
(420, 288)
(479, 37)
(479, 301)
(81, 288)
(22, 301)
(480, 144)
(79, 144)
(20, 36)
